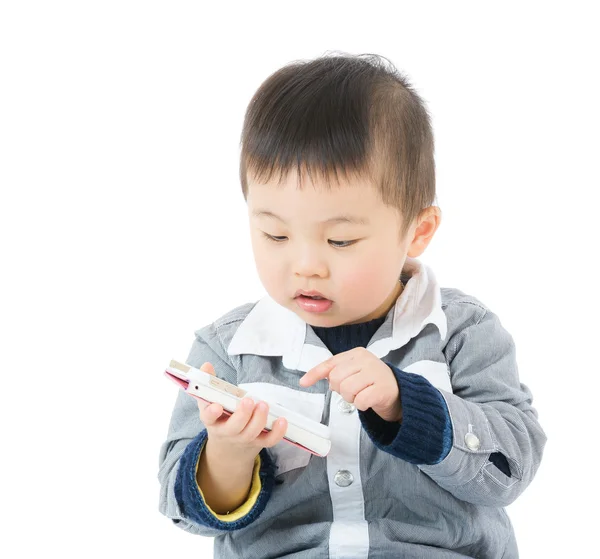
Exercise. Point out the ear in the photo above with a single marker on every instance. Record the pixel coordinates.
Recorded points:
(426, 225)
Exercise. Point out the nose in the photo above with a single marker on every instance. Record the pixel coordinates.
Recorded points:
(308, 263)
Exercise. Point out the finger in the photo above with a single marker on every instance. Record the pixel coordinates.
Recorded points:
(257, 421)
(366, 398)
(208, 368)
(323, 370)
(353, 385)
(341, 372)
(267, 440)
(317, 373)
(209, 414)
(239, 418)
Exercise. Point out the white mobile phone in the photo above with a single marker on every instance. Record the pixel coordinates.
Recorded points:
(301, 431)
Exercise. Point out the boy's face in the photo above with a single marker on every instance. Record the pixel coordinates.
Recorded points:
(361, 280)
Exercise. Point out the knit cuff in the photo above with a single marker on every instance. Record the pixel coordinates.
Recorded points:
(424, 436)
(190, 499)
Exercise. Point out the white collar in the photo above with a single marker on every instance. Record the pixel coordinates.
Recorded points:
(270, 329)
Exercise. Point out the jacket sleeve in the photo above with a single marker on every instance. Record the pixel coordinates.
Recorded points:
(180, 498)
(493, 422)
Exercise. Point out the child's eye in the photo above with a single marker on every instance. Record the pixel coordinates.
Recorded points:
(341, 244)
(272, 238)
(336, 244)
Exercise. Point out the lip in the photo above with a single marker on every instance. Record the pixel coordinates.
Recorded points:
(309, 294)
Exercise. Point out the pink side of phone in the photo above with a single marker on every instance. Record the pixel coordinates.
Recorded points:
(183, 384)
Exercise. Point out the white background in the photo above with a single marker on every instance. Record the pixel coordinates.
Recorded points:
(119, 145)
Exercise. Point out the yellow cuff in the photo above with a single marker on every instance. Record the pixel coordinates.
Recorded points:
(246, 506)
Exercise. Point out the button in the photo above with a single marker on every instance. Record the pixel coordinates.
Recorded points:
(346, 407)
(472, 441)
(343, 478)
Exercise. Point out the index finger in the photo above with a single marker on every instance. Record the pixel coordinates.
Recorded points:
(316, 373)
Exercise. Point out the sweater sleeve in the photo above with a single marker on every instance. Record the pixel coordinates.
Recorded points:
(424, 436)
(191, 499)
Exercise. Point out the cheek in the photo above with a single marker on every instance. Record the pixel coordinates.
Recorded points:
(267, 267)
(362, 282)
(367, 278)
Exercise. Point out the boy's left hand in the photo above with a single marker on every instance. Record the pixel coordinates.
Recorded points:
(362, 379)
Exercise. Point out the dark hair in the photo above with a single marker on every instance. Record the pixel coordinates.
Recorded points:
(348, 114)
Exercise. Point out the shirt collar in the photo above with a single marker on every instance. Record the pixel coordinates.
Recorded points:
(272, 330)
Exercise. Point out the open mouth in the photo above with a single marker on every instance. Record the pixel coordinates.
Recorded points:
(313, 303)
(310, 294)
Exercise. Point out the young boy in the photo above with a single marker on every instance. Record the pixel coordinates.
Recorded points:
(432, 433)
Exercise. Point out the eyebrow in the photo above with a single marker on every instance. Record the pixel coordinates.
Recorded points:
(337, 219)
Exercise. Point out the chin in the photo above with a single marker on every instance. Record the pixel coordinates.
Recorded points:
(322, 321)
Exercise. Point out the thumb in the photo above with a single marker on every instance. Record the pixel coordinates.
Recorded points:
(208, 368)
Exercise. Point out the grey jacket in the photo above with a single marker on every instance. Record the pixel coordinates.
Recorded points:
(390, 508)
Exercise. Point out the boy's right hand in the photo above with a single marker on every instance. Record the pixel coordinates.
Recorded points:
(241, 432)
